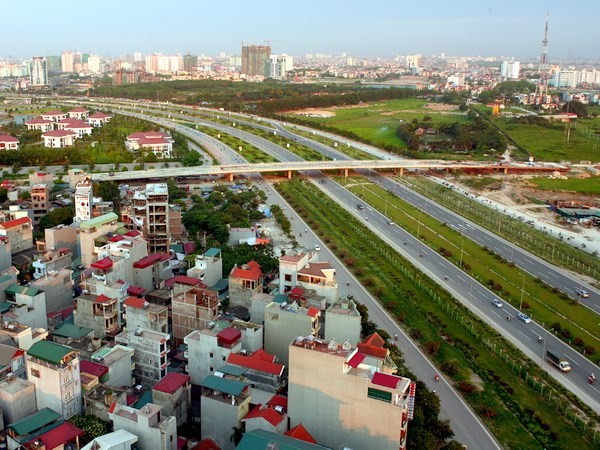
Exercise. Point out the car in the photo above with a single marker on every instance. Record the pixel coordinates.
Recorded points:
(317, 247)
(524, 318)
(581, 293)
(390, 222)
(360, 207)
(497, 303)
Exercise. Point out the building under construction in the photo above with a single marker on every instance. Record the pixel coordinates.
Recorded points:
(254, 59)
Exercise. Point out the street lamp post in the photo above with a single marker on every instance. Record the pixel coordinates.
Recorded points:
(522, 293)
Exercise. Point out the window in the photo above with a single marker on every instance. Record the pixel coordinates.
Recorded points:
(35, 373)
(223, 358)
(211, 355)
(288, 277)
(210, 369)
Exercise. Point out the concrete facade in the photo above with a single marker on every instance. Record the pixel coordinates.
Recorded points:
(193, 310)
(17, 399)
(342, 322)
(98, 313)
(92, 229)
(58, 287)
(174, 395)
(150, 354)
(20, 234)
(154, 431)
(208, 267)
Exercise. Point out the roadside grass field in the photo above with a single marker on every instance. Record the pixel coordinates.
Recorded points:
(377, 122)
(549, 144)
(589, 186)
(461, 345)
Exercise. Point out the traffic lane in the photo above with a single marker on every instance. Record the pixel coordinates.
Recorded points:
(468, 429)
(434, 264)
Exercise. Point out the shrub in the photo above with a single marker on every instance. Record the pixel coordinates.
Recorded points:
(432, 347)
(467, 387)
(451, 367)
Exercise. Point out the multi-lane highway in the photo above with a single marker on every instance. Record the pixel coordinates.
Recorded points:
(524, 336)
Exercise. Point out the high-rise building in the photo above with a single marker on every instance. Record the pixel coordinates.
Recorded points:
(137, 57)
(510, 69)
(190, 62)
(279, 65)
(67, 62)
(53, 63)
(254, 59)
(93, 63)
(38, 71)
(413, 61)
(83, 200)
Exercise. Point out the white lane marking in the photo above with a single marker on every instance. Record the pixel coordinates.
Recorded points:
(525, 335)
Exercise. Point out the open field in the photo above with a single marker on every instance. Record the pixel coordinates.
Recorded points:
(494, 378)
(589, 185)
(377, 122)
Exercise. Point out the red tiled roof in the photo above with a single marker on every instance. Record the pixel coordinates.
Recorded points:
(92, 368)
(133, 233)
(300, 433)
(135, 290)
(372, 345)
(116, 238)
(269, 414)
(253, 265)
(8, 138)
(152, 141)
(278, 400)
(76, 123)
(254, 363)
(102, 298)
(229, 335)
(59, 133)
(134, 302)
(183, 279)
(60, 435)
(313, 312)
(387, 380)
(102, 264)
(149, 260)
(262, 354)
(79, 110)
(38, 121)
(296, 292)
(181, 442)
(56, 112)
(99, 115)
(147, 135)
(246, 274)
(15, 223)
(206, 444)
(356, 359)
(171, 382)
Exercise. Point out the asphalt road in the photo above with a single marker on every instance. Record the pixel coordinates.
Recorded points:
(478, 299)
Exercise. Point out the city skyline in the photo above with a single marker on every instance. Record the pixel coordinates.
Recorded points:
(460, 28)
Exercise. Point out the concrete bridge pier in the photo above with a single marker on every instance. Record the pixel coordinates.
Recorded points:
(288, 174)
(230, 176)
(346, 172)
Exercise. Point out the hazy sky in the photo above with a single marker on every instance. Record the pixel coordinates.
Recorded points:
(360, 28)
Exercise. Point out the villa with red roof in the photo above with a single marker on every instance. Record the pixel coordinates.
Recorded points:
(75, 125)
(59, 138)
(39, 124)
(159, 143)
(373, 403)
(174, 394)
(79, 113)
(304, 269)
(271, 416)
(8, 142)
(54, 116)
(98, 119)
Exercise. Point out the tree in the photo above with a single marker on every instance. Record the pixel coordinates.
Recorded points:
(58, 216)
(92, 426)
(576, 107)
(3, 195)
(109, 191)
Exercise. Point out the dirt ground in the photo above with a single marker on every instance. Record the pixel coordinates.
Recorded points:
(441, 107)
(312, 112)
(281, 241)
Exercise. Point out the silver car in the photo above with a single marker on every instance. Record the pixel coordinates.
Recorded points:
(524, 317)
(497, 303)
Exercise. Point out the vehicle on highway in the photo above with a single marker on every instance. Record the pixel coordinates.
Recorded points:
(390, 222)
(524, 317)
(581, 293)
(360, 207)
(559, 362)
(497, 303)
(317, 247)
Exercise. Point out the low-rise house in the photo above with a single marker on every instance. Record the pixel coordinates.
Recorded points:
(40, 200)
(12, 362)
(32, 426)
(58, 287)
(21, 335)
(154, 430)
(97, 402)
(117, 440)
(52, 261)
(59, 138)
(144, 315)
(208, 267)
(27, 305)
(54, 116)
(17, 399)
(92, 374)
(54, 369)
(192, 310)
(244, 282)
(79, 113)
(150, 271)
(265, 440)
(173, 394)
(98, 119)
(224, 403)
(64, 436)
(343, 321)
(261, 369)
(19, 232)
(8, 142)
(159, 143)
(97, 312)
(271, 416)
(118, 359)
(40, 124)
(79, 127)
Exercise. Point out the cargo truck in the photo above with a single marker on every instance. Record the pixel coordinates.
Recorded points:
(561, 363)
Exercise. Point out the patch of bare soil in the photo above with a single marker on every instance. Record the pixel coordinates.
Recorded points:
(440, 107)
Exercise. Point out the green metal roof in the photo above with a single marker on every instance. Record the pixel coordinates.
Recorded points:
(281, 298)
(5, 306)
(220, 285)
(26, 290)
(263, 439)
(228, 386)
(49, 351)
(71, 331)
(211, 252)
(98, 221)
(34, 421)
(232, 370)
(5, 278)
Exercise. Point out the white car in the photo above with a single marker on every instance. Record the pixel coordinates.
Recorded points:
(497, 303)
(390, 222)
(317, 247)
(524, 317)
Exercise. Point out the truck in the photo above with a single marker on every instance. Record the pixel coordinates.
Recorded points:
(562, 364)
